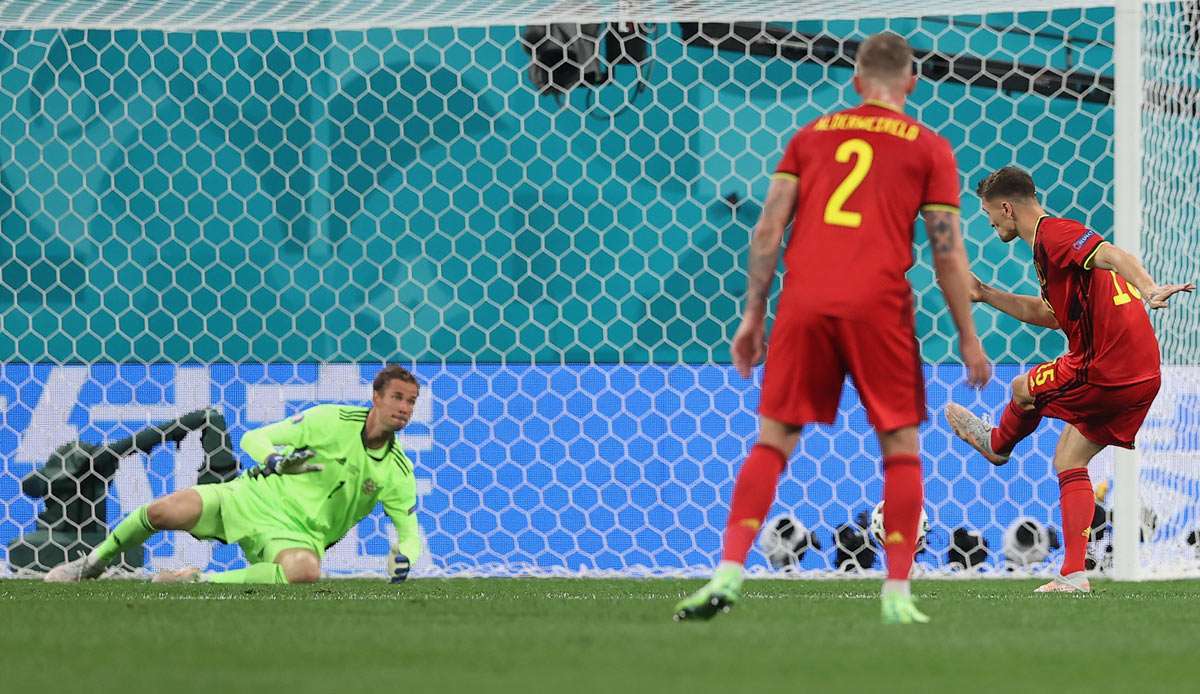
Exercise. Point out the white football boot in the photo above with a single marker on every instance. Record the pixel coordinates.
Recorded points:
(1073, 583)
(76, 570)
(976, 431)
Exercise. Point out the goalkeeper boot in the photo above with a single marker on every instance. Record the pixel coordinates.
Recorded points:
(976, 431)
(186, 575)
(899, 608)
(718, 595)
(1072, 583)
(76, 570)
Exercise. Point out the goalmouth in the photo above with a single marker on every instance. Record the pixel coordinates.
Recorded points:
(544, 207)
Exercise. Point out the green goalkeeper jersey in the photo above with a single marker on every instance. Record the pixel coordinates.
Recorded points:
(327, 504)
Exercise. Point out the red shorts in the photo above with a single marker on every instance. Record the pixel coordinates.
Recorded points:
(1105, 415)
(809, 355)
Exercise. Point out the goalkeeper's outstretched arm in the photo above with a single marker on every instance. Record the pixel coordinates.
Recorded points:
(262, 442)
(279, 448)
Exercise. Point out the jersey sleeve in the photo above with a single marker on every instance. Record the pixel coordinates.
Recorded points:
(1072, 245)
(941, 183)
(789, 165)
(400, 504)
(291, 433)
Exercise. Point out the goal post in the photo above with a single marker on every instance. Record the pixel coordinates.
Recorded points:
(543, 207)
(303, 15)
(1127, 234)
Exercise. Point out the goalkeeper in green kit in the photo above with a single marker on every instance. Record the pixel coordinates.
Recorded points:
(317, 475)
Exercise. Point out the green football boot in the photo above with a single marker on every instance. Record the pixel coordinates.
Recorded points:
(901, 609)
(718, 595)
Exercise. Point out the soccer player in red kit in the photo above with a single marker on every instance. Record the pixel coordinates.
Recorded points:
(1103, 387)
(851, 183)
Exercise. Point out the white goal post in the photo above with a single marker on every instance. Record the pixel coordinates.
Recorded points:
(1127, 201)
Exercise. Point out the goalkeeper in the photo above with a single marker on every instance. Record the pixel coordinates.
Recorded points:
(317, 475)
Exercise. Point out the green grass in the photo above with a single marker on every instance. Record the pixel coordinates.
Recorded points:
(577, 636)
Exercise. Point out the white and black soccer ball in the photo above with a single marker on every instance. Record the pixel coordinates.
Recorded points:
(1027, 541)
(784, 541)
(877, 527)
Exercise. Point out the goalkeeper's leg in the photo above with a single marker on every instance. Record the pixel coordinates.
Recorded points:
(753, 493)
(276, 553)
(178, 511)
(278, 561)
(290, 565)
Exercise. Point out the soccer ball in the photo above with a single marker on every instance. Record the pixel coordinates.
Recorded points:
(968, 549)
(853, 542)
(785, 540)
(877, 527)
(1028, 542)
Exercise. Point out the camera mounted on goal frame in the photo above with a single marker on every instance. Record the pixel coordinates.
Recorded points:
(566, 56)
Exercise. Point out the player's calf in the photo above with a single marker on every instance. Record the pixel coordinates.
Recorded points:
(130, 533)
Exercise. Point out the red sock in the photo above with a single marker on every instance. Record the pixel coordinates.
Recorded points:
(1078, 506)
(902, 498)
(1015, 424)
(752, 496)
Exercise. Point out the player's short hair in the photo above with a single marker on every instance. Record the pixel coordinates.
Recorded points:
(1009, 183)
(392, 372)
(884, 56)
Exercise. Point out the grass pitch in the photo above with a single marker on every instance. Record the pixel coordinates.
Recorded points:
(578, 636)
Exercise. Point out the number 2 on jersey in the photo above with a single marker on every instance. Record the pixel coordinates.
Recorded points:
(863, 156)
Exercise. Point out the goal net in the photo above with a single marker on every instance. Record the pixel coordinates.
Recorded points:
(1170, 480)
(215, 214)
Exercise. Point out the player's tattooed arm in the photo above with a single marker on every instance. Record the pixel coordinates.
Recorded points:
(942, 229)
(748, 345)
(765, 243)
(1109, 257)
(954, 277)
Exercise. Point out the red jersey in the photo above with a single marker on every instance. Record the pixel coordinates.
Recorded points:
(863, 175)
(1109, 337)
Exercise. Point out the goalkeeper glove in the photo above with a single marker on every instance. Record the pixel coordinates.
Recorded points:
(400, 567)
(293, 463)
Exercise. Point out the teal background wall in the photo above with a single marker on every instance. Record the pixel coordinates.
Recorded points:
(363, 196)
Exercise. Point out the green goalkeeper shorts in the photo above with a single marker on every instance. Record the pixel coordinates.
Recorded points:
(224, 517)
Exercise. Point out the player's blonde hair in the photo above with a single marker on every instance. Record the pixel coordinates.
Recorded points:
(884, 57)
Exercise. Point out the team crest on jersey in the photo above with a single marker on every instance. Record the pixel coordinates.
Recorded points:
(369, 487)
